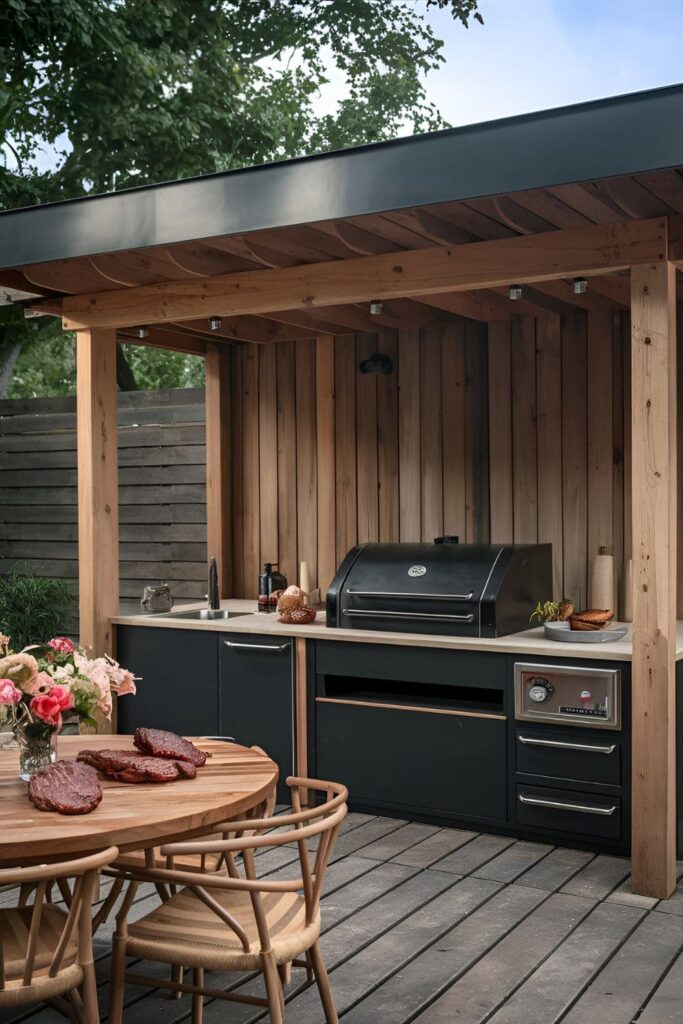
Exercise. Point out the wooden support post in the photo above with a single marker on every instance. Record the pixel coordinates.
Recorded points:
(324, 396)
(653, 368)
(301, 704)
(98, 499)
(218, 464)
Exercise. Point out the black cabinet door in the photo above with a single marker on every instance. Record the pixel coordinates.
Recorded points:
(414, 762)
(179, 685)
(256, 697)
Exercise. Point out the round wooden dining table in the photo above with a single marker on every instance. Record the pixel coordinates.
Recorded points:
(233, 781)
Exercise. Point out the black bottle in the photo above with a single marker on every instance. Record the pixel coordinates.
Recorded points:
(268, 583)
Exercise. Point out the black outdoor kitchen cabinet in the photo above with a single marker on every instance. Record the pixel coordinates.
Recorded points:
(256, 699)
(179, 685)
(414, 732)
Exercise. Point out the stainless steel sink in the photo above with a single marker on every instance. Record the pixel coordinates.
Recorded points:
(202, 613)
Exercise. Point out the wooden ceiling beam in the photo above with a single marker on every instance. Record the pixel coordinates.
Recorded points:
(592, 300)
(666, 185)
(164, 337)
(256, 329)
(360, 240)
(584, 200)
(545, 204)
(335, 325)
(16, 280)
(537, 303)
(524, 259)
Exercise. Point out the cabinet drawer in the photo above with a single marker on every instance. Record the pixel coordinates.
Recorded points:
(571, 811)
(410, 664)
(568, 754)
(414, 761)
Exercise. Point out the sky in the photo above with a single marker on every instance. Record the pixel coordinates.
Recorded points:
(535, 54)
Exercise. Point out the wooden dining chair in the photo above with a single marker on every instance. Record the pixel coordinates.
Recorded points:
(46, 951)
(225, 923)
(195, 862)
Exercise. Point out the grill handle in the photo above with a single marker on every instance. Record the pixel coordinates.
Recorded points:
(378, 613)
(530, 741)
(560, 805)
(411, 597)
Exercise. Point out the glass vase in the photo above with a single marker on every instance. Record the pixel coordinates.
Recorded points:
(37, 744)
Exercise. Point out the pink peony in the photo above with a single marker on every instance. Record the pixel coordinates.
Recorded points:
(47, 709)
(9, 694)
(61, 644)
(42, 682)
(63, 696)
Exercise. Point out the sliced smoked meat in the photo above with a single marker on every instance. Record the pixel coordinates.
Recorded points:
(159, 743)
(132, 766)
(66, 787)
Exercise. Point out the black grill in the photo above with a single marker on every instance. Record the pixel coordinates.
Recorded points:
(450, 589)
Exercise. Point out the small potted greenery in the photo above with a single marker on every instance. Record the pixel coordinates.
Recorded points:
(33, 608)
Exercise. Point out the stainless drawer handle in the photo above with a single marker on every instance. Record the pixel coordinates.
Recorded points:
(412, 597)
(561, 806)
(530, 741)
(256, 647)
(408, 615)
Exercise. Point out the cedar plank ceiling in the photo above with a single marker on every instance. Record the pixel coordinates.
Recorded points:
(605, 201)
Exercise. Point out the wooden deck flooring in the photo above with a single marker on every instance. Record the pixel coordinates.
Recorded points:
(439, 926)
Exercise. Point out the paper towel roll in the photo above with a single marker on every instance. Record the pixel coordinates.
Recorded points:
(628, 591)
(304, 578)
(601, 593)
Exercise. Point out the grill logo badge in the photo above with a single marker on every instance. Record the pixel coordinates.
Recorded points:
(417, 570)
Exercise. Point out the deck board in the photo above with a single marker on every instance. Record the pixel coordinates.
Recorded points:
(547, 995)
(502, 969)
(599, 877)
(423, 925)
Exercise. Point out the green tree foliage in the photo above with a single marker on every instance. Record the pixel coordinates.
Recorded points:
(127, 92)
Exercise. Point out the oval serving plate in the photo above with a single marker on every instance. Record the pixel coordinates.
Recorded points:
(565, 634)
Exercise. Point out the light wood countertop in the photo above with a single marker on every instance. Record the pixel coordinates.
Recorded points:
(530, 642)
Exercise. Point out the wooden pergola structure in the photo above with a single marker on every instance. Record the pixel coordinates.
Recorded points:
(437, 228)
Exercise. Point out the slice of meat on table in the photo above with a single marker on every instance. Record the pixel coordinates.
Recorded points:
(159, 743)
(66, 787)
(132, 766)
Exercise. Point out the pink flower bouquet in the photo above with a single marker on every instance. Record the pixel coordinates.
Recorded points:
(44, 681)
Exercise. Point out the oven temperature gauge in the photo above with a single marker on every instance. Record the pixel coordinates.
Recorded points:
(540, 689)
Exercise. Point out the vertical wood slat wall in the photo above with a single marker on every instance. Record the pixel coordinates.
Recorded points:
(558, 452)
(512, 432)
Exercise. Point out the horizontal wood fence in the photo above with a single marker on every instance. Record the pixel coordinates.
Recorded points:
(162, 490)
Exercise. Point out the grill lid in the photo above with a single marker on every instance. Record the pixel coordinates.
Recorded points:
(421, 572)
(453, 589)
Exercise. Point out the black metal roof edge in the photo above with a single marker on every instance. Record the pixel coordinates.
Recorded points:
(595, 139)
